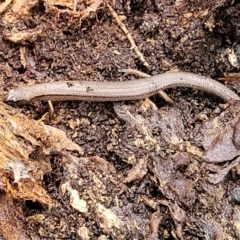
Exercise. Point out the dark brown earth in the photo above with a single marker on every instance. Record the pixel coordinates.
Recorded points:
(172, 171)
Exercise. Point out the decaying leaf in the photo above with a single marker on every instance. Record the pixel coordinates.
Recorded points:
(137, 172)
(178, 215)
(75, 201)
(25, 36)
(18, 10)
(80, 9)
(218, 140)
(107, 219)
(172, 183)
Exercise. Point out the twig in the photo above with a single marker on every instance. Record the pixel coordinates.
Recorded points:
(124, 29)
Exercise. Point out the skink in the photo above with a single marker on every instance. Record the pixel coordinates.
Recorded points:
(118, 91)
